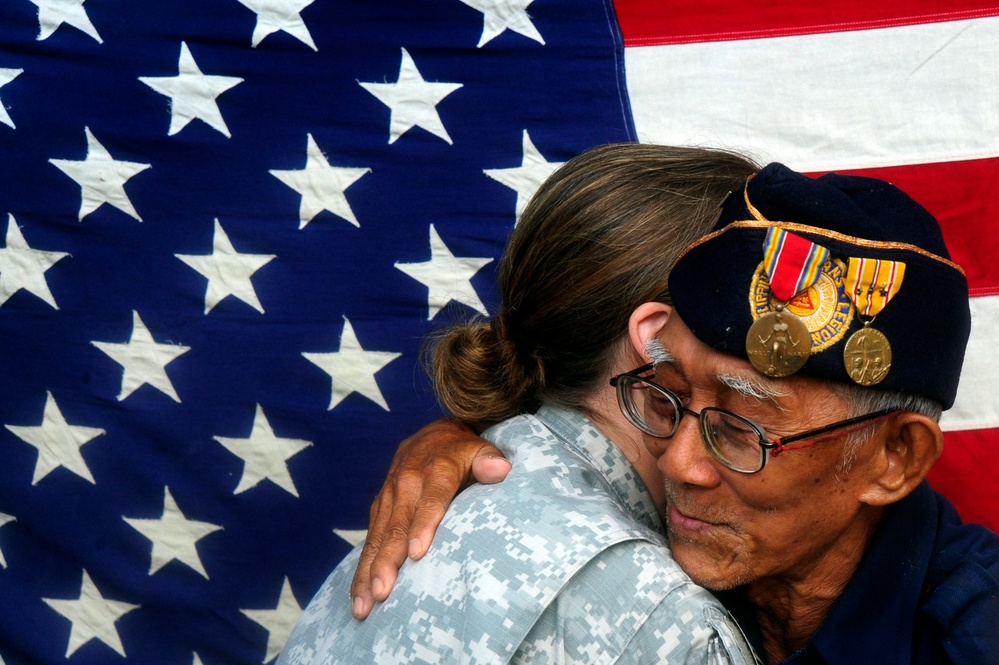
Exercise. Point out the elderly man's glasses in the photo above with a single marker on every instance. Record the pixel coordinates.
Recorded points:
(739, 443)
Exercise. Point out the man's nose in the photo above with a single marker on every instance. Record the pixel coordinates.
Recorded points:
(685, 459)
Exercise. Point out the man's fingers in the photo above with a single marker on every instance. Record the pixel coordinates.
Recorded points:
(428, 470)
(360, 586)
(442, 479)
(393, 532)
(387, 543)
(489, 466)
(387, 561)
(426, 518)
(361, 601)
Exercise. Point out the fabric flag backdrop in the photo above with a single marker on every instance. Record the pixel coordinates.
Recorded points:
(228, 225)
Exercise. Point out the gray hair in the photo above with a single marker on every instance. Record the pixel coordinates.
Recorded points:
(861, 400)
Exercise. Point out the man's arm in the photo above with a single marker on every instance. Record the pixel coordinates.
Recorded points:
(427, 472)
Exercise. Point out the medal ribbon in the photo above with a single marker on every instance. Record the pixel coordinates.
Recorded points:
(791, 262)
(871, 283)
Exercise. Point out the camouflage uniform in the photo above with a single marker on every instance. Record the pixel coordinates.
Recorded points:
(564, 562)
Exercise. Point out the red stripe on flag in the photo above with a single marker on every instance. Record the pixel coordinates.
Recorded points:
(652, 22)
(966, 475)
(961, 195)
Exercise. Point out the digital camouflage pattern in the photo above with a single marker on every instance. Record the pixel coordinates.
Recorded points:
(564, 562)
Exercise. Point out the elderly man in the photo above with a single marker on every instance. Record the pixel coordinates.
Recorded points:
(792, 397)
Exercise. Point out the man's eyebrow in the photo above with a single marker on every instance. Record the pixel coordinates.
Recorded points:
(658, 354)
(751, 387)
(748, 386)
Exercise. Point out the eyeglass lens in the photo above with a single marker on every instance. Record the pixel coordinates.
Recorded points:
(732, 440)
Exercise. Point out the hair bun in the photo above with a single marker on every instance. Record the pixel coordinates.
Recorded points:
(479, 375)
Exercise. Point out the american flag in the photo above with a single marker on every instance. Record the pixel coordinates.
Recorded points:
(229, 223)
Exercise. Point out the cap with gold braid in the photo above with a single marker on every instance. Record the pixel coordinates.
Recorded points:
(839, 277)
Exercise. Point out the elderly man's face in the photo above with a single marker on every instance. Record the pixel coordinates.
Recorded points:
(798, 516)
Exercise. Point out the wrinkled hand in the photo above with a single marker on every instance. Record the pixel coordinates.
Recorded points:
(427, 472)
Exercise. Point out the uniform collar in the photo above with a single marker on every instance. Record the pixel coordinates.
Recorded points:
(582, 436)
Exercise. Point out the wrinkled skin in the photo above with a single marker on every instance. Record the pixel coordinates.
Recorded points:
(427, 472)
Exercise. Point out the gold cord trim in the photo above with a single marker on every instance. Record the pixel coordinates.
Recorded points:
(825, 233)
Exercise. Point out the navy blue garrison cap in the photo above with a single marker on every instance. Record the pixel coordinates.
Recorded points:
(839, 277)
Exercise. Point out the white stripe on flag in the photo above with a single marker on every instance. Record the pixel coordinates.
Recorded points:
(977, 405)
(845, 100)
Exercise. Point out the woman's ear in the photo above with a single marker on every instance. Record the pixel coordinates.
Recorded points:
(912, 443)
(646, 324)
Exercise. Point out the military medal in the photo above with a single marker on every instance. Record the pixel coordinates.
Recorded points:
(871, 284)
(867, 355)
(778, 343)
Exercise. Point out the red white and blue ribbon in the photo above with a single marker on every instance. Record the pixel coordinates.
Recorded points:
(791, 262)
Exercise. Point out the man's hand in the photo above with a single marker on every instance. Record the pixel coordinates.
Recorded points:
(428, 470)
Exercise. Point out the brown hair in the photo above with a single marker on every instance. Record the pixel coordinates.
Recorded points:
(597, 240)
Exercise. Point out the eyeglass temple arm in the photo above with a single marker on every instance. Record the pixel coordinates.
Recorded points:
(635, 372)
(858, 423)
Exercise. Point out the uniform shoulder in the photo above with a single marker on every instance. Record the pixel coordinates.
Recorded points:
(640, 606)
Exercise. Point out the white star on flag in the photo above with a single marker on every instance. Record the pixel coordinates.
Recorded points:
(275, 15)
(447, 277)
(526, 178)
(352, 369)
(323, 187)
(5, 519)
(92, 616)
(502, 15)
(143, 360)
(101, 178)
(413, 100)
(228, 272)
(192, 94)
(58, 443)
(173, 536)
(353, 536)
(22, 267)
(53, 13)
(6, 76)
(278, 622)
(264, 455)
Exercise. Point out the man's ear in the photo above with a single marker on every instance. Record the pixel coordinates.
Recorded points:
(646, 324)
(912, 443)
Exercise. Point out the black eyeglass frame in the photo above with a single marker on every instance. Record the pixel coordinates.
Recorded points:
(768, 448)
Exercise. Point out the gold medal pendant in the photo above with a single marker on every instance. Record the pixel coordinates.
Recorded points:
(871, 284)
(867, 356)
(778, 343)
